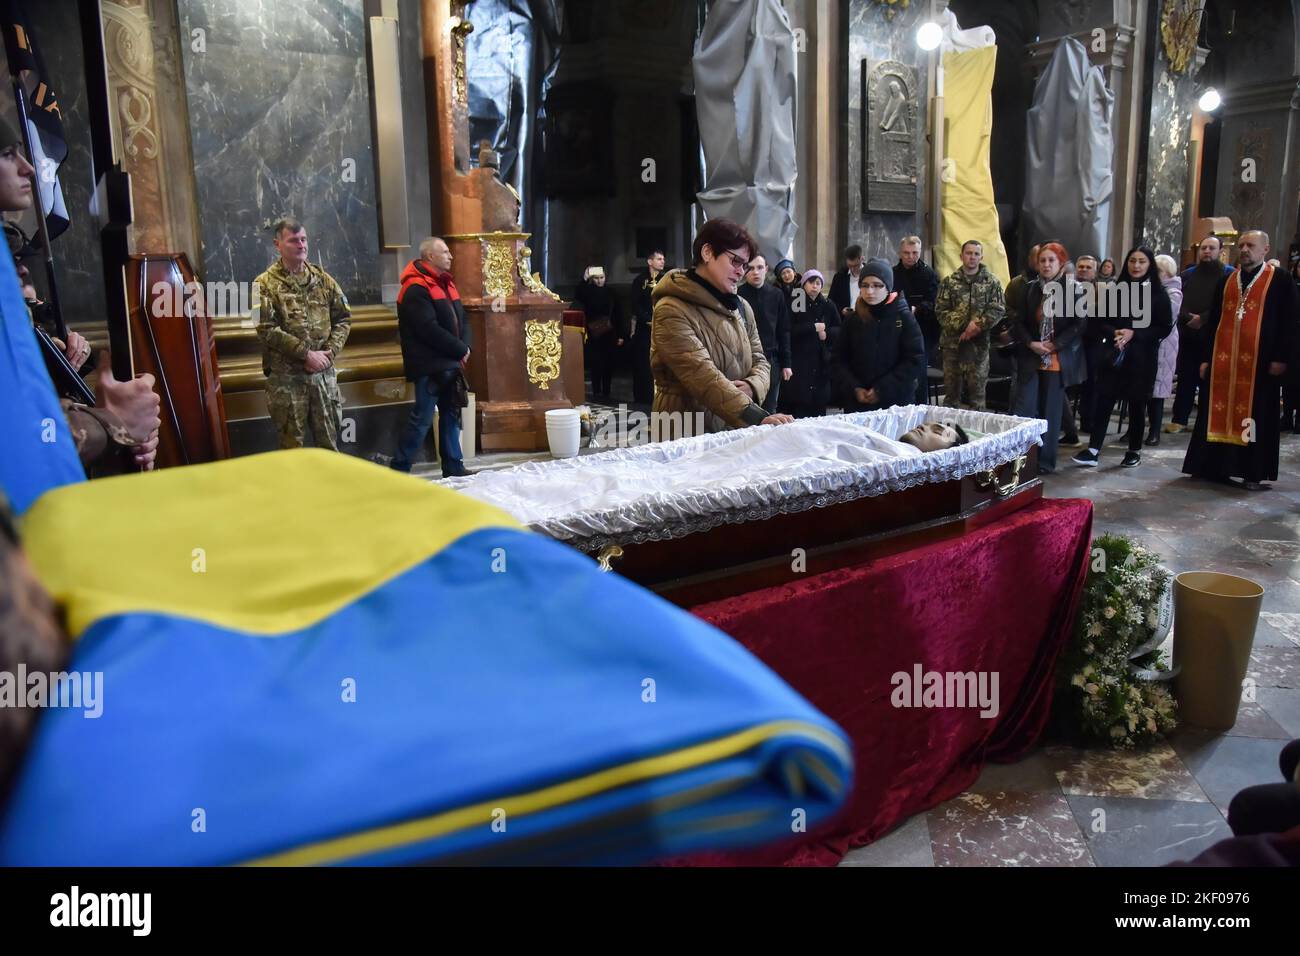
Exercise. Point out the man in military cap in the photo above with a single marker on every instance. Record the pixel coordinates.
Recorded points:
(302, 321)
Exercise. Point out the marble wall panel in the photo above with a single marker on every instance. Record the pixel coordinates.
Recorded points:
(1163, 188)
(279, 109)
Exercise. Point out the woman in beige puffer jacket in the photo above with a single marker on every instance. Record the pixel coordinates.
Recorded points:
(705, 352)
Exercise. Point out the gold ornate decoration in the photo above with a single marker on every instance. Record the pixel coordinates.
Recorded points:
(606, 558)
(461, 29)
(1180, 23)
(891, 7)
(985, 480)
(542, 347)
(532, 280)
(498, 266)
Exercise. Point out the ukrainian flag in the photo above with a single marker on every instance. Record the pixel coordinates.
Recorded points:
(308, 659)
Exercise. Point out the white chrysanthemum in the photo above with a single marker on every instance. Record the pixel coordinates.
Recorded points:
(1109, 612)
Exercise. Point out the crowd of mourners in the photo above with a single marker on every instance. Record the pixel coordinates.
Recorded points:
(1069, 339)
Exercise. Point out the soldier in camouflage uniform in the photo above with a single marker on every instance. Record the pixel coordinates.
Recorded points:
(969, 304)
(302, 321)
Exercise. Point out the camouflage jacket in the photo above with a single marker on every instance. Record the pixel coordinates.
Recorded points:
(102, 440)
(962, 298)
(296, 314)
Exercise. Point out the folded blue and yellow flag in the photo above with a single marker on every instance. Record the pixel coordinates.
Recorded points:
(38, 450)
(309, 659)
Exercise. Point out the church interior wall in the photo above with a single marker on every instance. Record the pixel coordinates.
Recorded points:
(279, 106)
(634, 62)
(1257, 64)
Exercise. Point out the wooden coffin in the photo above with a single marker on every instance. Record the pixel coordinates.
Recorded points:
(172, 339)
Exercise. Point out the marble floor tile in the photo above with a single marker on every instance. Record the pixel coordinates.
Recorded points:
(1125, 832)
(907, 845)
(1254, 721)
(1154, 774)
(1035, 773)
(1283, 595)
(1275, 666)
(1224, 765)
(1007, 829)
(1283, 705)
(1284, 624)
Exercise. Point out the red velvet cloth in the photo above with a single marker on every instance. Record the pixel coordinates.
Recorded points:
(999, 599)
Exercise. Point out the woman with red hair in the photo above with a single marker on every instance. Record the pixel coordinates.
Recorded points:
(1050, 353)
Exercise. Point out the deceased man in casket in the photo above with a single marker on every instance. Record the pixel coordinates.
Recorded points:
(751, 473)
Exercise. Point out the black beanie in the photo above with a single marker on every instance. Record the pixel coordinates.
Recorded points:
(881, 269)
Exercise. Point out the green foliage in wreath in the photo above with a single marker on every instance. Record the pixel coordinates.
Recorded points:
(1099, 697)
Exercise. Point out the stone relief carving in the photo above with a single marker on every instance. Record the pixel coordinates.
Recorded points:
(889, 136)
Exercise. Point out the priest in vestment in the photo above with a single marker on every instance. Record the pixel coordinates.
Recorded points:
(1250, 335)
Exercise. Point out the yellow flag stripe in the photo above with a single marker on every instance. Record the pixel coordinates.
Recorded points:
(390, 837)
(266, 544)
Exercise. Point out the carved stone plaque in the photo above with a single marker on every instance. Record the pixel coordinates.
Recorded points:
(890, 135)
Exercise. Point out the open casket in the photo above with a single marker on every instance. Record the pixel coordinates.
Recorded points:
(706, 517)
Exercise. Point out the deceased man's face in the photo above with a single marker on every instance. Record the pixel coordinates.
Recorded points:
(932, 436)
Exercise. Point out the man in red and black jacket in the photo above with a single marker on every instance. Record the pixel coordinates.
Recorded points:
(435, 347)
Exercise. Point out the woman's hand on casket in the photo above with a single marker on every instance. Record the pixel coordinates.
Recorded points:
(777, 420)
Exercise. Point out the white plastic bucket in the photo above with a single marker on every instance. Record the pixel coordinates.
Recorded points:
(563, 432)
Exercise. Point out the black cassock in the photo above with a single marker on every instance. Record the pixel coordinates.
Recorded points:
(1256, 461)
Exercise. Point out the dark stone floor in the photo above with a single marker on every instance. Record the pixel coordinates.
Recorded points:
(1063, 806)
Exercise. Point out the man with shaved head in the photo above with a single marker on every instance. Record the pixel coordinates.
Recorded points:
(1250, 333)
(435, 349)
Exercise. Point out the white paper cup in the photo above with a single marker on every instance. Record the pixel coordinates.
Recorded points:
(563, 432)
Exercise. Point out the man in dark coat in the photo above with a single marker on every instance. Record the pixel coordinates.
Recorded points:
(1200, 282)
(1249, 339)
(844, 284)
(919, 285)
(772, 315)
(880, 352)
(643, 385)
(435, 338)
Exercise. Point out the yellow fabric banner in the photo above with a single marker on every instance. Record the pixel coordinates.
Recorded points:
(968, 209)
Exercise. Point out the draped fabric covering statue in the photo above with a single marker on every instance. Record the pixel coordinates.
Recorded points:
(744, 67)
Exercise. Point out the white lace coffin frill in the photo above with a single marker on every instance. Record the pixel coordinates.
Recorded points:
(670, 489)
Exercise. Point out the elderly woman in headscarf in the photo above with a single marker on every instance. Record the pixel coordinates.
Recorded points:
(705, 352)
(605, 329)
(1167, 361)
(880, 353)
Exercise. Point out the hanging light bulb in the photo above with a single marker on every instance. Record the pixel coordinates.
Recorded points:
(929, 35)
(1210, 100)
